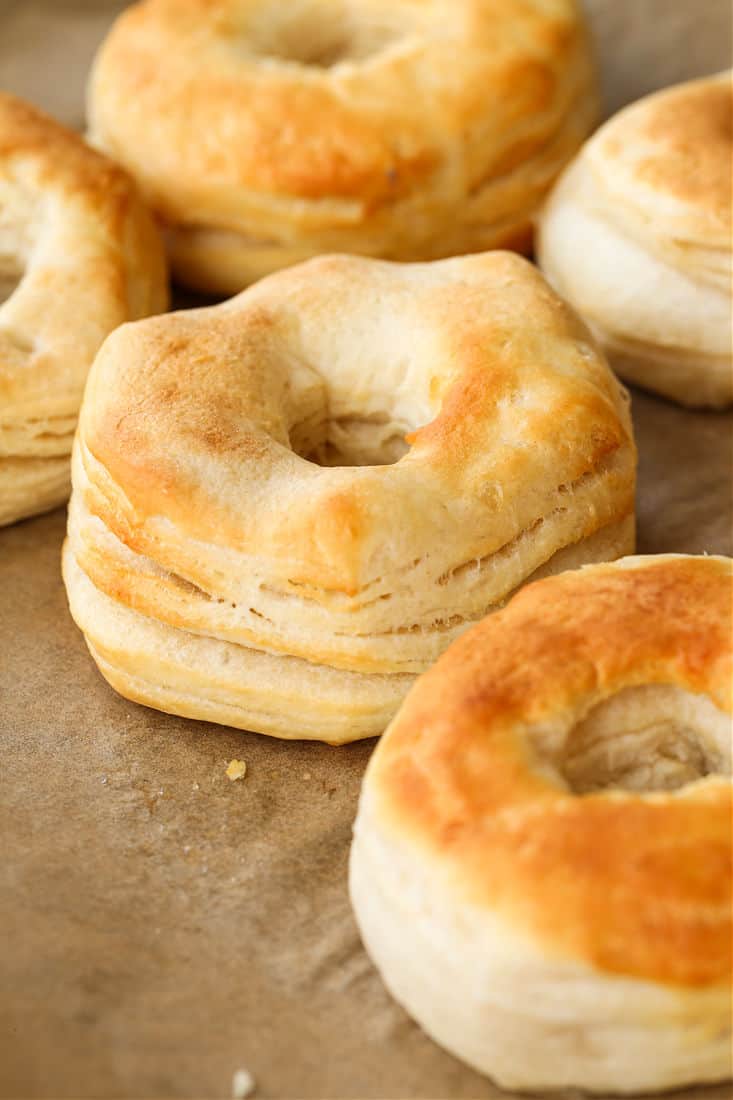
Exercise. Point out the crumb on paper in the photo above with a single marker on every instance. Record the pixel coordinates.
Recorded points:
(237, 770)
(243, 1084)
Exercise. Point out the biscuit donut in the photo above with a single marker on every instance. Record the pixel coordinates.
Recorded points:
(541, 864)
(636, 236)
(286, 506)
(264, 133)
(79, 254)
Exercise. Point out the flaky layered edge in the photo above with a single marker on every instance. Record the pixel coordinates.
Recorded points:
(489, 994)
(399, 622)
(662, 313)
(511, 883)
(225, 230)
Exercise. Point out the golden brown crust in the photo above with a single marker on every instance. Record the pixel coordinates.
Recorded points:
(668, 159)
(688, 133)
(637, 237)
(303, 137)
(344, 466)
(81, 255)
(636, 885)
(378, 144)
(208, 385)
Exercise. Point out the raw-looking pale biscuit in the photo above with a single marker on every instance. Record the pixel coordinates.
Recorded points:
(636, 236)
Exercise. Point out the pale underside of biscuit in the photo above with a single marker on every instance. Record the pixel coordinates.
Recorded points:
(79, 255)
(37, 437)
(637, 236)
(663, 327)
(606, 1034)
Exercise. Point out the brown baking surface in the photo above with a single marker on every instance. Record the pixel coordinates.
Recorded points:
(160, 925)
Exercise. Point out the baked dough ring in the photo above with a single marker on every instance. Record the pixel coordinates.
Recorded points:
(219, 574)
(637, 236)
(266, 132)
(79, 254)
(541, 866)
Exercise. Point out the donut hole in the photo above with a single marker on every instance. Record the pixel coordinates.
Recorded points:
(650, 738)
(369, 440)
(332, 420)
(297, 32)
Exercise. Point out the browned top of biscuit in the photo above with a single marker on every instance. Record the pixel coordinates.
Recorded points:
(101, 260)
(671, 155)
(634, 884)
(693, 132)
(199, 97)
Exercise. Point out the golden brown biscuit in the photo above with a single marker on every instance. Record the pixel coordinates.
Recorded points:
(79, 254)
(264, 132)
(541, 866)
(637, 236)
(286, 506)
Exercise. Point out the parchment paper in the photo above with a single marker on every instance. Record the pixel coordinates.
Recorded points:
(161, 926)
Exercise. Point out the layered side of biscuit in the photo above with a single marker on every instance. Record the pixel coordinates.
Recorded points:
(79, 255)
(287, 506)
(637, 236)
(412, 132)
(549, 815)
